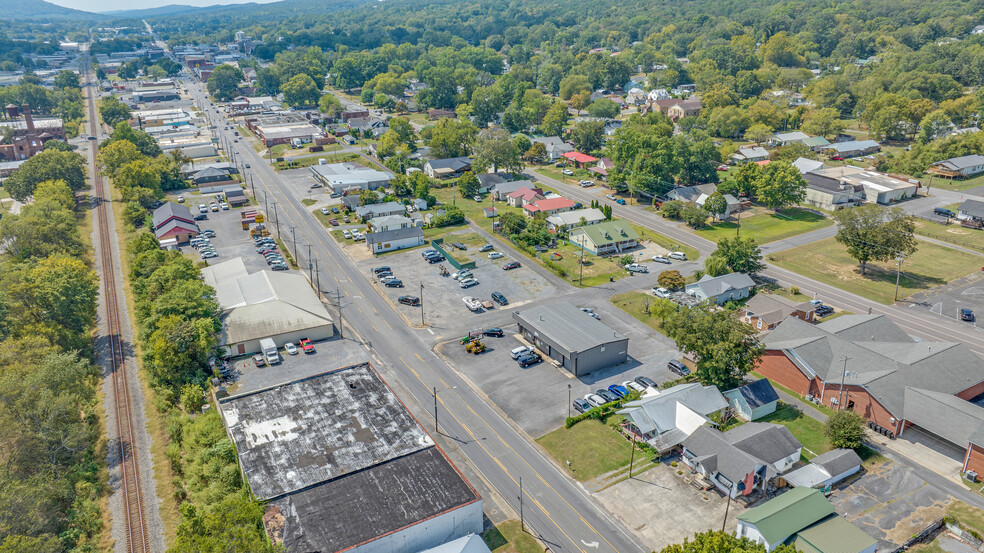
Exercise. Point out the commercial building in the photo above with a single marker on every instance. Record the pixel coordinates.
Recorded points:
(342, 465)
(349, 177)
(191, 146)
(878, 187)
(265, 304)
(573, 339)
(609, 237)
(372, 211)
(28, 134)
(173, 221)
(396, 239)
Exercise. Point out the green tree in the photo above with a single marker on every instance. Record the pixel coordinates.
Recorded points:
(722, 542)
(55, 191)
(452, 216)
(781, 184)
(604, 108)
(451, 138)
(587, 135)
(231, 523)
(40, 230)
(935, 125)
(142, 140)
(875, 233)
(555, 120)
(47, 165)
(695, 216)
(824, 122)
(300, 90)
(671, 280)
(113, 111)
(746, 181)
(404, 130)
(537, 152)
(845, 429)
(468, 184)
(574, 84)
(224, 81)
(369, 197)
(758, 133)
(495, 149)
(116, 155)
(716, 266)
(725, 347)
(672, 209)
(716, 205)
(67, 79)
(580, 101)
(741, 255)
(330, 105)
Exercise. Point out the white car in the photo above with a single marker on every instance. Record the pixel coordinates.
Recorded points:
(520, 351)
(633, 385)
(661, 292)
(181, 199)
(472, 303)
(586, 183)
(568, 172)
(636, 268)
(290, 348)
(324, 211)
(594, 400)
(224, 206)
(461, 275)
(346, 234)
(495, 255)
(679, 256)
(468, 282)
(662, 259)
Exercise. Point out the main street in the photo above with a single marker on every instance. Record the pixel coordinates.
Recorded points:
(556, 508)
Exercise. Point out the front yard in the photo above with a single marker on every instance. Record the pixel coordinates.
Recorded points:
(827, 261)
(591, 448)
(768, 226)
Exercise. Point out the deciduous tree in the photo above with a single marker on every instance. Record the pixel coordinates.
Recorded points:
(725, 348)
(875, 233)
(494, 150)
(781, 185)
(845, 429)
(68, 167)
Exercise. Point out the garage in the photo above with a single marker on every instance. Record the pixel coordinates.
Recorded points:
(573, 338)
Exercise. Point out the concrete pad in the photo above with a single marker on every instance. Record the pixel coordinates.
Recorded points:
(929, 451)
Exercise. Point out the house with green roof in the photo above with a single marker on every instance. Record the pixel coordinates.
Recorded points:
(804, 517)
(608, 238)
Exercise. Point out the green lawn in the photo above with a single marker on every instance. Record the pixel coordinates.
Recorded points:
(809, 431)
(672, 245)
(635, 303)
(309, 201)
(827, 261)
(952, 233)
(591, 447)
(309, 160)
(769, 227)
(509, 537)
(947, 184)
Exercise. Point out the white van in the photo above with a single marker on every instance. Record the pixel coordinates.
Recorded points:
(520, 351)
(679, 256)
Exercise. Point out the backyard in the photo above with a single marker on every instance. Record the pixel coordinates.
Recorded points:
(809, 431)
(768, 226)
(588, 449)
(827, 261)
(953, 233)
(635, 303)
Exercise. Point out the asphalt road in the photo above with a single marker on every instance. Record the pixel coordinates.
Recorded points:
(556, 508)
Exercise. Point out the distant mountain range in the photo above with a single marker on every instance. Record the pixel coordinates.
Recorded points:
(39, 9)
(171, 9)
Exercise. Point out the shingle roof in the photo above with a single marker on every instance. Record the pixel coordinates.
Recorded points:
(452, 163)
(974, 208)
(568, 326)
(837, 461)
(715, 286)
(962, 162)
(765, 441)
(854, 145)
(713, 451)
(756, 394)
(175, 224)
(169, 210)
(591, 214)
(773, 309)
(950, 417)
(395, 234)
(791, 512)
(658, 411)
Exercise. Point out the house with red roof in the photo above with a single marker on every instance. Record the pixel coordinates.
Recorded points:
(523, 196)
(580, 159)
(174, 221)
(548, 207)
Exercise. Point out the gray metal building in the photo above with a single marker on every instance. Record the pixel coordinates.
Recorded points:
(574, 339)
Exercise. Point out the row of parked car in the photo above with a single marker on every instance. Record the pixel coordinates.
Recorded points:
(203, 244)
(614, 392)
(267, 247)
(385, 275)
(526, 356)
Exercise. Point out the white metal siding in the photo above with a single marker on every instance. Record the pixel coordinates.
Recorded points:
(429, 533)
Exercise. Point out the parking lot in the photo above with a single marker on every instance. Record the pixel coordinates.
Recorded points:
(948, 299)
(536, 397)
(329, 354)
(444, 310)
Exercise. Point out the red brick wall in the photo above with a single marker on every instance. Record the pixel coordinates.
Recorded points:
(975, 459)
(972, 392)
(864, 404)
(775, 366)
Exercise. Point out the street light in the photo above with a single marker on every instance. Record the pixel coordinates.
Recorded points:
(435, 404)
(568, 401)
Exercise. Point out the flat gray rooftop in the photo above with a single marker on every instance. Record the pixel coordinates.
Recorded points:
(568, 326)
(302, 433)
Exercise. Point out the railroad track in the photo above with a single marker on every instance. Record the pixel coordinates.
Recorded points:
(135, 521)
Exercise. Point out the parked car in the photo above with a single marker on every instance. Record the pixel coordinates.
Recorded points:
(586, 183)
(494, 331)
(346, 234)
(824, 310)
(278, 267)
(385, 276)
(209, 254)
(646, 381)
(486, 248)
(610, 197)
(435, 258)
(459, 245)
(944, 212)
(208, 233)
(836, 158)
(324, 211)
(594, 400)
(528, 360)
(213, 206)
(661, 259)
(679, 256)
(636, 268)
(290, 348)
(520, 351)
(333, 222)
(334, 210)
(224, 206)
(511, 265)
(259, 360)
(620, 391)
(468, 282)
(568, 172)
(606, 395)
(495, 255)
(499, 298)
(395, 283)
(477, 198)
(581, 405)
(722, 167)
(678, 367)
(966, 314)
(461, 274)
(201, 217)
(306, 344)
(181, 199)
(661, 292)
(383, 269)
(620, 201)
(425, 253)
(409, 300)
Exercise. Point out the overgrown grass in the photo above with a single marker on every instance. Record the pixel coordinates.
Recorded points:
(591, 447)
(509, 537)
(827, 261)
(769, 227)
(635, 303)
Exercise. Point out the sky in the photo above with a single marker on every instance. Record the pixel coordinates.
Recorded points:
(113, 5)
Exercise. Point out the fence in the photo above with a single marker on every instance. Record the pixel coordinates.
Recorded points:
(921, 536)
(438, 243)
(949, 240)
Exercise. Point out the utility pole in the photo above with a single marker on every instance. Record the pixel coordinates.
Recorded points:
(840, 399)
(569, 402)
(421, 303)
(310, 265)
(435, 410)
(251, 187)
(580, 275)
(898, 275)
(631, 455)
(276, 218)
(522, 522)
(341, 322)
(738, 227)
(293, 239)
(317, 278)
(727, 505)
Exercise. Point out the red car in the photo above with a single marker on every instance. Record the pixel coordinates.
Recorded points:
(334, 222)
(306, 345)
(511, 265)
(836, 158)
(722, 167)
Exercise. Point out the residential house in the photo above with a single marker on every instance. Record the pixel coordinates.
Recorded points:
(235, 196)
(684, 108)
(722, 289)
(636, 97)
(548, 206)
(699, 193)
(753, 400)
(657, 94)
(607, 238)
(815, 143)
(971, 210)
(419, 204)
(787, 138)
(523, 196)
(977, 30)
(350, 202)
(556, 147)
(602, 168)
(958, 167)
(889, 379)
(396, 239)
(447, 168)
(743, 459)
(210, 175)
(826, 469)
(579, 159)
(389, 222)
(852, 148)
(431, 215)
(766, 311)
(487, 180)
(878, 187)
(560, 222)
(500, 190)
(805, 518)
(752, 154)
(665, 418)
(366, 212)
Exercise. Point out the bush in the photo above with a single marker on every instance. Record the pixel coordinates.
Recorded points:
(845, 429)
(794, 290)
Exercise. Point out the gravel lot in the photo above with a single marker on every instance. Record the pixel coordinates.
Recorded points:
(536, 397)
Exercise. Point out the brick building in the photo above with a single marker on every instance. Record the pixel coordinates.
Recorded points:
(29, 134)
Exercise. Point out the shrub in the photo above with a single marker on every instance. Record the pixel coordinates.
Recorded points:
(794, 290)
(845, 429)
